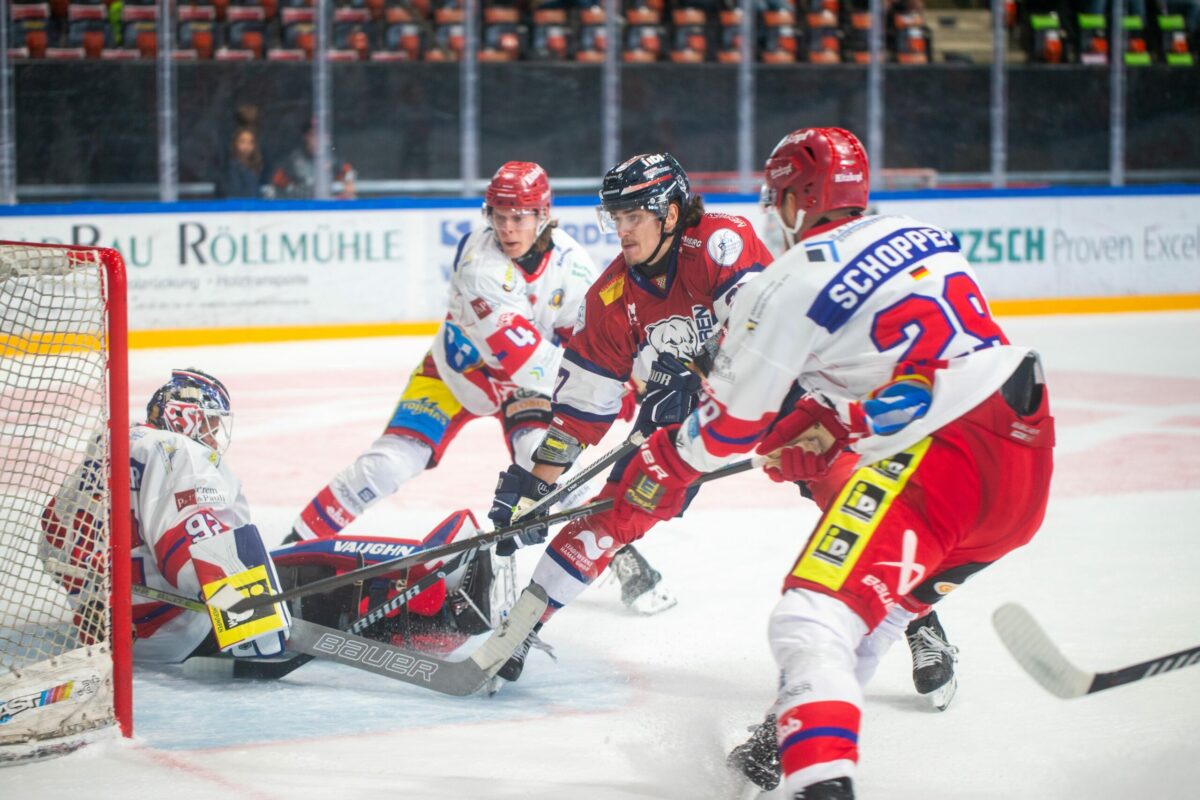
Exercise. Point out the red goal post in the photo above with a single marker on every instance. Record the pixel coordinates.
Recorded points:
(65, 607)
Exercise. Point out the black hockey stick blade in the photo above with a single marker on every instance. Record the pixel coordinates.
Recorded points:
(457, 678)
(1045, 663)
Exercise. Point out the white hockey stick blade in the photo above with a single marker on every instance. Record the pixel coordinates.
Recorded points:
(1037, 654)
(524, 614)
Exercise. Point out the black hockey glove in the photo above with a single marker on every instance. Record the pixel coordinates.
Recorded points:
(670, 393)
(516, 490)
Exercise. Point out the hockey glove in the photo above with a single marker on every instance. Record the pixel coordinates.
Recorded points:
(670, 393)
(656, 480)
(804, 451)
(517, 490)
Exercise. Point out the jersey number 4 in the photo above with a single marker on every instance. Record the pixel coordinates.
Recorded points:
(929, 324)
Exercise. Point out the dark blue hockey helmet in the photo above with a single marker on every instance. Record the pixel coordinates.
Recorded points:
(194, 404)
(651, 181)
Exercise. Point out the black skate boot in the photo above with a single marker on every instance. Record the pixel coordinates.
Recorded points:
(833, 789)
(758, 757)
(933, 659)
(512, 668)
(641, 584)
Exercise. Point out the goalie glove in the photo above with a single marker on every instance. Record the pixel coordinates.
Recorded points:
(516, 491)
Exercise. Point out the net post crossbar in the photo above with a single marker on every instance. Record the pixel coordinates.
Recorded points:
(65, 607)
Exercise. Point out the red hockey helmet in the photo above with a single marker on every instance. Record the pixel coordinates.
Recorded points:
(826, 168)
(519, 184)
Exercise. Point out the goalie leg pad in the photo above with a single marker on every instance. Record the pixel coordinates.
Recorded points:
(239, 559)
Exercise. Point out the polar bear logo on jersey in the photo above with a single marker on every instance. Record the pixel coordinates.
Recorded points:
(676, 335)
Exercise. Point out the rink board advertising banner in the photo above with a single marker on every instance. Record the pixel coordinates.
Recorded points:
(202, 266)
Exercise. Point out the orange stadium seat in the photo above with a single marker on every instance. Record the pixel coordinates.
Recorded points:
(245, 28)
(689, 41)
(729, 50)
(196, 32)
(502, 38)
(551, 39)
(778, 36)
(593, 35)
(643, 36)
(403, 37)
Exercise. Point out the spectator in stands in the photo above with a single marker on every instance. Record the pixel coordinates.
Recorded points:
(295, 178)
(243, 174)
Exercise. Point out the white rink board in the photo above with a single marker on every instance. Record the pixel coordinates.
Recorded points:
(209, 265)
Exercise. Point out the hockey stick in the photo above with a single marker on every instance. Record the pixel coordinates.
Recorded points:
(1046, 664)
(257, 669)
(465, 545)
(457, 678)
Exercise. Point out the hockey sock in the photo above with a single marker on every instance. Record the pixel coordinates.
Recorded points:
(576, 556)
(818, 741)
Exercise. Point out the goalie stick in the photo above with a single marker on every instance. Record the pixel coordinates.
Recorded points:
(1046, 664)
(457, 678)
(466, 545)
(270, 669)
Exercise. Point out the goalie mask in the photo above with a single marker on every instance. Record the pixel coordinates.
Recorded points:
(196, 405)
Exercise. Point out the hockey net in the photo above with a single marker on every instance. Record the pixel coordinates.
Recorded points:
(64, 500)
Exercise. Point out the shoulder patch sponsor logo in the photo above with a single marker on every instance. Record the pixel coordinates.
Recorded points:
(613, 290)
(480, 307)
(724, 247)
(556, 299)
(185, 499)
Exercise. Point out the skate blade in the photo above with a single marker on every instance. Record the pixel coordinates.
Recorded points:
(494, 684)
(652, 602)
(941, 697)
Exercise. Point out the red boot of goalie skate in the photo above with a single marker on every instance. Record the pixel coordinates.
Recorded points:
(933, 660)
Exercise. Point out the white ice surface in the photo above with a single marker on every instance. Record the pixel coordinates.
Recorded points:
(648, 707)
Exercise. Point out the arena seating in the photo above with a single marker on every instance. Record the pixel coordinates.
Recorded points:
(679, 31)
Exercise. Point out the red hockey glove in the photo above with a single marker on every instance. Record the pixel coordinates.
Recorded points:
(797, 464)
(805, 451)
(628, 403)
(655, 481)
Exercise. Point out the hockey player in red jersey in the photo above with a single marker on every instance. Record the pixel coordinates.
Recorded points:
(648, 316)
(855, 310)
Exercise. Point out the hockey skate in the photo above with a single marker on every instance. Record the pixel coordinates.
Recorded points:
(832, 789)
(758, 757)
(641, 584)
(933, 660)
(515, 665)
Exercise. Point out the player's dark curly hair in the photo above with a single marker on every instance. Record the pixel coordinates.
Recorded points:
(694, 211)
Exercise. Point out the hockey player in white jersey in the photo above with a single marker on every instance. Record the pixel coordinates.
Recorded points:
(863, 310)
(515, 296)
(192, 531)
